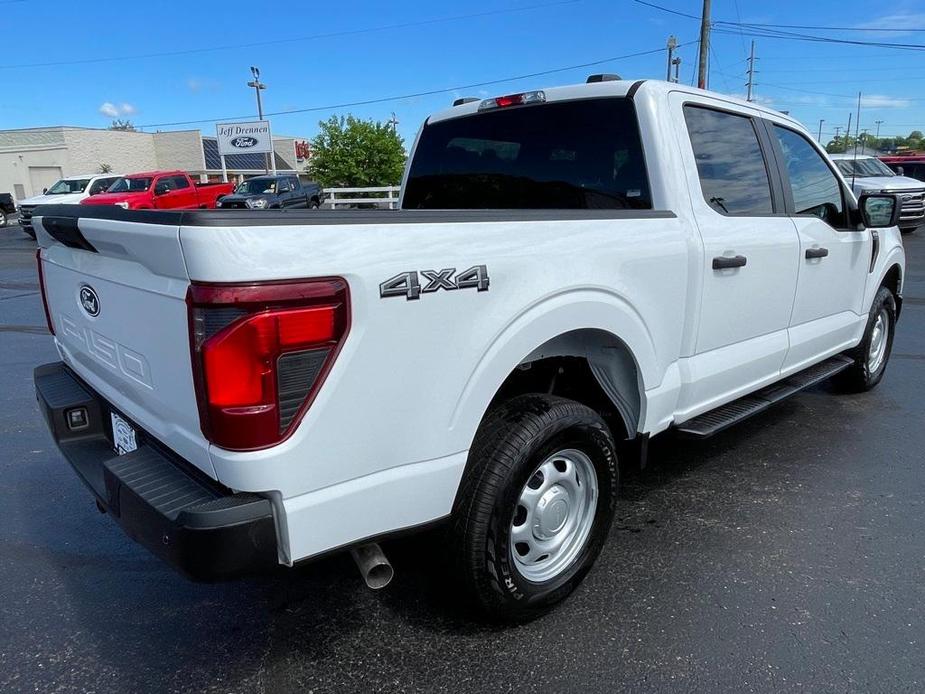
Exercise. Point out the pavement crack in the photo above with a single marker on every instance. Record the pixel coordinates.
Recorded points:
(26, 329)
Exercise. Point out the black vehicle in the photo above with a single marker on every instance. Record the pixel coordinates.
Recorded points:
(273, 192)
(7, 208)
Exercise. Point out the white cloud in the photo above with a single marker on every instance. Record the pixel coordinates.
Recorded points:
(901, 20)
(109, 110)
(879, 101)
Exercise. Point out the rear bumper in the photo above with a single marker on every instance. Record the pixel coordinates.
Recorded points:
(207, 532)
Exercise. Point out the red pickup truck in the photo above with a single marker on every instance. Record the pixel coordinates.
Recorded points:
(161, 190)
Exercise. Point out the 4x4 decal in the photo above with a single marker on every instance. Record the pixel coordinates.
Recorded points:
(408, 285)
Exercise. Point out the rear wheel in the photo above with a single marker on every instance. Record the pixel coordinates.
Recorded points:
(535, 506)
(873, 354)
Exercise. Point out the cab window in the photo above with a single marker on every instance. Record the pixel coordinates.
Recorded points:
(815, 187)
(733, 174)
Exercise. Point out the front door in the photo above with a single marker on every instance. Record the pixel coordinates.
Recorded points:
(828, 315)
(749, 265)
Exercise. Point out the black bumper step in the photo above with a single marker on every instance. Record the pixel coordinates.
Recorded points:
(712, 422)
(190, 521)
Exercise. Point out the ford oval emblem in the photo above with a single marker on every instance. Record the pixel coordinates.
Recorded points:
(244, 142)
(89, 300)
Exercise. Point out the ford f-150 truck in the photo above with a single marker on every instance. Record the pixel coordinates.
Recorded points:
(572, 271)
(870, 175)
(67, 191)
(161, 190)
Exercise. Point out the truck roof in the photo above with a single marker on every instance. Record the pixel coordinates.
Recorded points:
(621, 87)
(152, 174)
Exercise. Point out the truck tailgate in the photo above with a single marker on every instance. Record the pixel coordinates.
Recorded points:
(116, 293)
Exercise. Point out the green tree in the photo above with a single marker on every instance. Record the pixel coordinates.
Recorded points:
(356, 153)
(120, 124)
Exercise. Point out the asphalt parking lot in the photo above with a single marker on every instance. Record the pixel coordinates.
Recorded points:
(784, 554)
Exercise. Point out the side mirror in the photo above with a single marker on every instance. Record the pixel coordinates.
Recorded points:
(44, 190)
(879, 210)
(900, 171)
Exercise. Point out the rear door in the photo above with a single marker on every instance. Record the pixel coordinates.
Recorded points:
(132, 344)
(750, 251)
(828, 314)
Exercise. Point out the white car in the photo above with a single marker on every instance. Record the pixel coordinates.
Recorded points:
(66, 191)
(868, 174)
(571, 268)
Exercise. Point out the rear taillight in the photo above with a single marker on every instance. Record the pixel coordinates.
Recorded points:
(41, 272)
(260, 353)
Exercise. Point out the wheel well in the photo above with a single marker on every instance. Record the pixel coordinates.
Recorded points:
(892, 281)
(592, 367)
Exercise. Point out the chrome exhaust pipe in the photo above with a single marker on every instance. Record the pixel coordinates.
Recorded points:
(374, 567)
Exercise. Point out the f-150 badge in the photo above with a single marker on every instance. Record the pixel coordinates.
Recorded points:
(408, 284)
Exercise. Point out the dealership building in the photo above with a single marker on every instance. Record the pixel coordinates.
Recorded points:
(32, 159)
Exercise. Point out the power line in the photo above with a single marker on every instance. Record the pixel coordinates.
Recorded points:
(776, 31)
(400, 97)
(296, 39)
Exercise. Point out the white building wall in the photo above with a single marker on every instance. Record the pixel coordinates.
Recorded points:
(124, 151)
(179, 150)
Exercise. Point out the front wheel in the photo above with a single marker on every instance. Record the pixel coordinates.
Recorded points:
(872, 355)
(3, 219)
(535, 505)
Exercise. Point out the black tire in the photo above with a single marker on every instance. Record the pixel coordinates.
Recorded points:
(859, 377)
(511, 443)
(314, 204)
(3, 219)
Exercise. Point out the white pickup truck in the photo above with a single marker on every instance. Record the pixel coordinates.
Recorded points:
(66, 191)
(571, 269)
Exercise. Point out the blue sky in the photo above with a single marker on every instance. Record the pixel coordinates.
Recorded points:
(812, 80)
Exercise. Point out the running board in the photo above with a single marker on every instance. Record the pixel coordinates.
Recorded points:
(712, 422)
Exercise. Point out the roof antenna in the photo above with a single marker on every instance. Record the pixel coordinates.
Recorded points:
(857, 130)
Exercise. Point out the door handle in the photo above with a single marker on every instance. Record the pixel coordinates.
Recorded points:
(816, 253)
(724, 262)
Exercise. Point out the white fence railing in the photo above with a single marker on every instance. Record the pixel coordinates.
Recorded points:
(385, 197)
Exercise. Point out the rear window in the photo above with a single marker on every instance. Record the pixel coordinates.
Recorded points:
(564, 155)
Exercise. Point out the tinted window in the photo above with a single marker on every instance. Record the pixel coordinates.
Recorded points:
(100, 185)
(730, 164)
(565, 155)
(177, 182)
(816, 190)
(130, 185)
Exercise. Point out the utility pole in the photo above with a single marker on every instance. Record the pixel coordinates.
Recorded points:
(751, 73)
(258, 86)
(878, 122)
(704, 45)
(821, 121)
(677, 69)
(837, 130)
(672, 44)
(393, 121)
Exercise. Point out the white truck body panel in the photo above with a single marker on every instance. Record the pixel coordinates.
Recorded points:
(385, 443)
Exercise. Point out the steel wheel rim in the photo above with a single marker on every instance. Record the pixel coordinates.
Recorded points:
(876, 352)
(554, 515)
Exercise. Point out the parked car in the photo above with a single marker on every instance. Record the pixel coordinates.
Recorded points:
(562, 276)
(870, 175)
(7, 208)
(911, 165)
(67, 191)
(273, 192)
(161, 190)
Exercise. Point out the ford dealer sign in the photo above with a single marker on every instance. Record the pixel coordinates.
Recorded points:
(237, 138)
